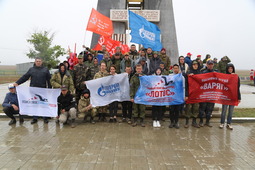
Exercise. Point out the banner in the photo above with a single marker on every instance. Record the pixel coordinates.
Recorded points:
(109, 89)
(34, 101)
(100, 24)
(110, 45)
(213, 87)
(161, 90)
(144, 32)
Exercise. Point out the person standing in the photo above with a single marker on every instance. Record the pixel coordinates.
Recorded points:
(126, 62)
(127, 106)
(102, 110)
(11, 105)
(191, 110)
(89, 62)
(66, 106)
(206, 108)
(94, 68)
(149, 53)
(154, 63)
(175, 109)
(223, 64)
(81, 74)
(133, 54)
(188, 59)
(139, 109)
(107, 60)
(157, 111)
(116, 60)
(229, 70)
(165, 59)
(39, 77)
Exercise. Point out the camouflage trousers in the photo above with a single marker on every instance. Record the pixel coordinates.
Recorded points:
(191, 110)
(139, 111)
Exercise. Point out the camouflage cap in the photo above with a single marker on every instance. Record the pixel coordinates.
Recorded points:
(80, 56)
(64, 87)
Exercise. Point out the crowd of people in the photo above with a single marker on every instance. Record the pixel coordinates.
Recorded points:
(74, 100)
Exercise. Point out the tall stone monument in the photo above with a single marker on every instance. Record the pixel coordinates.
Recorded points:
(160, 12)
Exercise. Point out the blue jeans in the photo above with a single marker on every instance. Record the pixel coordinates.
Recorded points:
(230, 113)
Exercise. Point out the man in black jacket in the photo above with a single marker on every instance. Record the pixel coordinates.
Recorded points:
(40, 77)
(66, 106)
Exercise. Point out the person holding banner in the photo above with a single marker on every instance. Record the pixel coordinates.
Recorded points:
(191, 110)
(206, 107)
(175, 109)
(113, 107)
(11, 105)
(127, 106)
(66, 106)
(102, 111)
(230, 69)
(139, 109)
(39, 77)
(157, 111)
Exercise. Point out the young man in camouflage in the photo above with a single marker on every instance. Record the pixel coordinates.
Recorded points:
(81, 74)
(85, 108)
(89, 62)
(133, 54)
(222, 65)
(116, 60)
(126, 61)
(107, 60)
(164, 58)
(102, 111)
(139, 109)
(94, 68)
(149, 53)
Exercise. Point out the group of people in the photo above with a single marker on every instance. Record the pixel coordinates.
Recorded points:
(74, 100)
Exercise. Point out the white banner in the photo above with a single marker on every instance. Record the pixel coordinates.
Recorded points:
(108, 89)
(34, 101)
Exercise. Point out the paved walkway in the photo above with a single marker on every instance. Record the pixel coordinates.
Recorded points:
(120, 146)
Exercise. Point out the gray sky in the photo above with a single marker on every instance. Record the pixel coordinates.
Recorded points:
(217, 27)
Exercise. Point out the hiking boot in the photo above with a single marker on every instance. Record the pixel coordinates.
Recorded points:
(171, 125)
(208, 124)
(46, 121)
(194, 124)
(129, 121)
(13, 121)
(134, 122)
(229, 127)
(123, 120)
(21, 119)
(34, 121)
(177, 126)
(221, 126)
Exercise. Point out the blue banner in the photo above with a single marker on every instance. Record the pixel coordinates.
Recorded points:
(144, 32)
(161, 90)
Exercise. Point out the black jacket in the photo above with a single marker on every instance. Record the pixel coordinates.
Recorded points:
(234, 71)
(66, 102)
(40, 77)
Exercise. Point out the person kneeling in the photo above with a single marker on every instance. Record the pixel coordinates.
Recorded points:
(11, 105)
(66, 106)
(85, 108)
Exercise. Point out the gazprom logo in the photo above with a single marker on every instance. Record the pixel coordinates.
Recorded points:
(109, 89)
(147, 34)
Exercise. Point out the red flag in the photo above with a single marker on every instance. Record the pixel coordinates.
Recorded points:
(110, 45)
(213, 87)
(100, 24)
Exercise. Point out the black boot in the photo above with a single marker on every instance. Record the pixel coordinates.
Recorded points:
(13, 121)
(186, 123)
(34, 121)
(134, 122)
(194, 123)
(208, 122)
(99, 116)
(21, 119)
(201, 122)
(142, 123)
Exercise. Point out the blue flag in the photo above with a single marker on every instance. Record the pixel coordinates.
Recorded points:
(161, 90)
(144, 32)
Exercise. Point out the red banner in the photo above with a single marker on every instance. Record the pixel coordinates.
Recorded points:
(110, 45)
(213, 87)
(100, 24)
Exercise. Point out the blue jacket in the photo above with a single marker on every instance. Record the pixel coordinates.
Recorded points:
(10, 98)
(188, 61)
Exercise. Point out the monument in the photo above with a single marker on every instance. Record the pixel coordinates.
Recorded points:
(159, 12)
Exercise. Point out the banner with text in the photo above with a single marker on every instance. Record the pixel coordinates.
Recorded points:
(109, 89)
(34, 101)
(213, 87)
(161, 90)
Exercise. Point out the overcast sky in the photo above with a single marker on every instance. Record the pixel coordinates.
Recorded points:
(217, 27)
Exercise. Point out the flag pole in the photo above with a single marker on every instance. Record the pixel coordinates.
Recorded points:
(128, 35)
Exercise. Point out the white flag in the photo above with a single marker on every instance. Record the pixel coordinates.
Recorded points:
(34, 101)
(108, 89)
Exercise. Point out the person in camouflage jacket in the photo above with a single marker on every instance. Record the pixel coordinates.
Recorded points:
(139, 109)
(222, 65)
(94, 68)
(85, 108)
(102, 111)
(81, 74)
(107, 60)
(165, 59)
(89, 63)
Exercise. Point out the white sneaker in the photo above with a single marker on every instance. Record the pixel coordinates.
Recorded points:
(221, 126)
(229, 126)
(158, 124)
(154, 123)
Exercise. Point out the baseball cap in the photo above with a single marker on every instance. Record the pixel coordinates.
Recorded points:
(64, 87)
(11, 86)
(209, 62)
